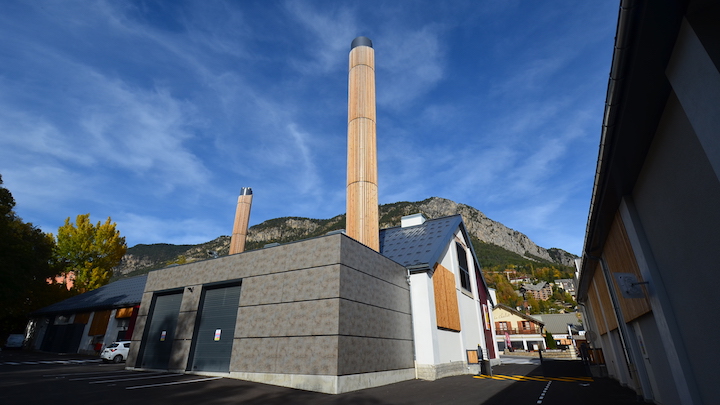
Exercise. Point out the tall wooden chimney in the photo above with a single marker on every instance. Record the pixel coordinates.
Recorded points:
(362, 190)
(242, 218)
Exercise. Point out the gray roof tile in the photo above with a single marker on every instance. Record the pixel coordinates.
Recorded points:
(120, 294)
(419, 245)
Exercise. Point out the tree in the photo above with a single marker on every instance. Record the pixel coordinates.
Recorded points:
(87, 253)
(25, 267)
(550, 340)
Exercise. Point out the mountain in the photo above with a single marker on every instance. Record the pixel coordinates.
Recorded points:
(494, 242)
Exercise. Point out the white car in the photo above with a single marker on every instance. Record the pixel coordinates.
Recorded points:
(117, 352)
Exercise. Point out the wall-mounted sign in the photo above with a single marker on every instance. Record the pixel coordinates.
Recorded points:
(217, 334)
(162, 336)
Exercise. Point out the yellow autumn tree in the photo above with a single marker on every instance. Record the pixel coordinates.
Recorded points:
(87, 253)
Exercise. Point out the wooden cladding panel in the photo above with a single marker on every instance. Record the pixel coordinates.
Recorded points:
(124, 313)
(603, 297)
(620, 258)
(362, 222)
(446, 302)
(472, 356)
(361, 93)
(362, 55)
(99, 323)
(595, 308)
(362, 191)
(362, 151)
(240, 226)
(82, 318)
(361, 84)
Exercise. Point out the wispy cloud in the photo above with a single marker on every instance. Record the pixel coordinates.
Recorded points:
(331, 28)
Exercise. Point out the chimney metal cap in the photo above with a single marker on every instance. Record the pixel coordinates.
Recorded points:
(246, 191)
(361, 41)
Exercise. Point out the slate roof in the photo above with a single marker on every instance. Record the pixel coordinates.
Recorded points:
(557, 323)
(419, 246)
(120, 294)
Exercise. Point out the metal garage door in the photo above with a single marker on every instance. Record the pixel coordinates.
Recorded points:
(215, 329)
(161, 332)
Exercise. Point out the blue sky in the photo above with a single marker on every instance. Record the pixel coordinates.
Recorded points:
(156, 113)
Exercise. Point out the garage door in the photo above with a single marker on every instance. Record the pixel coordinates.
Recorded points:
(161, 332)
(215, 329)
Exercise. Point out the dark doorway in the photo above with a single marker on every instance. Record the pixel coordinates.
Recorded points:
(160, 333)
(215, 329)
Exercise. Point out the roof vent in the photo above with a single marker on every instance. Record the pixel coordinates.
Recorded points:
(412, 220)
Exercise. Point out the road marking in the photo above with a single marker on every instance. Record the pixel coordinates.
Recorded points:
(542, 396)
(23, 363)
(105, 376)
(533, 378)
(172, 383)
(135, 378)
(95, 373)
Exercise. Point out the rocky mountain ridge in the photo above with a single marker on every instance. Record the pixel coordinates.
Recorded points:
(143, 258)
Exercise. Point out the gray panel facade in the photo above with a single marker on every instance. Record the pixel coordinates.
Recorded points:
(310, 314)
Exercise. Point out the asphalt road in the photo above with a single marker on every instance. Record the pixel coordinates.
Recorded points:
(42, 378)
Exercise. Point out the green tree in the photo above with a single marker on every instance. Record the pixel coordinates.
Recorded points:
(550, 340)
(87, 253)
(25, 268)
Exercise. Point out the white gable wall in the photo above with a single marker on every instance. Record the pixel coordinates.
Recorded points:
(441, 350)
(422, 301)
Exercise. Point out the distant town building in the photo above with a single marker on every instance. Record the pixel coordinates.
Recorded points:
(541, 291)
(566, 284)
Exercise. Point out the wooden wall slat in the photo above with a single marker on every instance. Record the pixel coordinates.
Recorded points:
(99, 323)
(620, 258)
(447, 310)
(604, 298)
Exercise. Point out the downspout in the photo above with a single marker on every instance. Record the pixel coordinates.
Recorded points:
(412, 322)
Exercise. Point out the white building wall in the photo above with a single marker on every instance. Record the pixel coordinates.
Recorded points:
(424, 319)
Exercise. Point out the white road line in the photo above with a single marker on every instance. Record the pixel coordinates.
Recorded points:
(95, 373)
(542, 396)
(104, 376)
(135, 378)
(11, 363)
(172, 383)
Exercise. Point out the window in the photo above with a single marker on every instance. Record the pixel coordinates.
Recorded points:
(463, 264)
(503, 326)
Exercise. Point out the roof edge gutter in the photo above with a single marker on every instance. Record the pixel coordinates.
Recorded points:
(612, 105)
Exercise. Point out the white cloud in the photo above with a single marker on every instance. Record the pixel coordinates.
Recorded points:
(332, 29)
(409, 63)
(153, 229)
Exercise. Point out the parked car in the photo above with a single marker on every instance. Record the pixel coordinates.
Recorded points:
(15, 341)
(117, 352)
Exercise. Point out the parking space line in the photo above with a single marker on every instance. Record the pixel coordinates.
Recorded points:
(135, 378)
(95, 372)
(105, 376)
(172, 383)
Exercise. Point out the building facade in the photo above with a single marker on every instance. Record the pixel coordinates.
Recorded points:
(88, 322)
(326, 314)
(652, 229)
